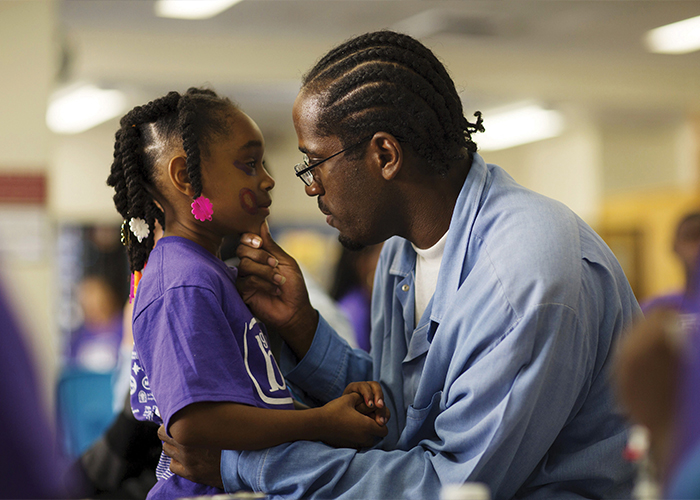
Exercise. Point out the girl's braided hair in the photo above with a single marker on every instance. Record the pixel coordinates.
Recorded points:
(387, 81)
(190, 120)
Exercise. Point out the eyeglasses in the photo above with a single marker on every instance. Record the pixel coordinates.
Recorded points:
(303, 169)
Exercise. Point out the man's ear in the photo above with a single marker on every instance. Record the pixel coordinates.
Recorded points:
(177, 173)
(388, 153)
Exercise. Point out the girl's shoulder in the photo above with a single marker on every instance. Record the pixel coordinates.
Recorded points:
(179, 263)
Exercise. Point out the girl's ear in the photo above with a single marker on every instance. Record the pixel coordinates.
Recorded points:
(388, 152)
(177, 173)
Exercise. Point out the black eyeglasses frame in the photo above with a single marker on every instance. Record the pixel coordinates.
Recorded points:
(302, 172)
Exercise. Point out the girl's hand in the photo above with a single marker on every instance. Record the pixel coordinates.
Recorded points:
(271, 284)
(344, 426)
(372, 400)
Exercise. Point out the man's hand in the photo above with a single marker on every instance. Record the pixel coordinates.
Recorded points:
(344, 426)
(201, 465)
(271, 284)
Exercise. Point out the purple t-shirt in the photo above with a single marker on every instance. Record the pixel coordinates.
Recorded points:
(96, 348)
(669, 301)
(195, 340)
(356, 306)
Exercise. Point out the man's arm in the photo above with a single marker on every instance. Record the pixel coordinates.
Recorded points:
(509, 419)
(328, 367)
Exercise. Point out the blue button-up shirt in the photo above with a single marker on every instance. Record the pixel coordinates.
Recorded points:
(505, 380)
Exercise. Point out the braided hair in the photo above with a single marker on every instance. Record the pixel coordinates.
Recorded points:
(387, 81)
(190, 120)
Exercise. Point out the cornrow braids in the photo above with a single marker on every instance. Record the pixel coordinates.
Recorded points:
(191, 120)
(388, 81)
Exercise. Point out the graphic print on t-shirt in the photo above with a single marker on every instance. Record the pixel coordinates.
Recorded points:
(143, 403)
(257, 360)
(260, 365)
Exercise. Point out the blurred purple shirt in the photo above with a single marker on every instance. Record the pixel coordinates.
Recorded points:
(30, 464)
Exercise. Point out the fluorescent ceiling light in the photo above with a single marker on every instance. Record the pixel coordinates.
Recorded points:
(192, 9)
(676, 38)
(518, 124)
(80, 108)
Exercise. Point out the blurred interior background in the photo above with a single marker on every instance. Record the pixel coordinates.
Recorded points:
(619, 143)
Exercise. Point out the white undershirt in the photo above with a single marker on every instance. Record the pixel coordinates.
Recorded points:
(427, 269)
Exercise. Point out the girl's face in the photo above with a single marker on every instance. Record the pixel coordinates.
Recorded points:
(235, 180)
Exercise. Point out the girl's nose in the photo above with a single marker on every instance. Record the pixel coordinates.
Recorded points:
(267, 182)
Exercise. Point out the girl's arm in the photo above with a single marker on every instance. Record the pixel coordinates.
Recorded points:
(233, 426)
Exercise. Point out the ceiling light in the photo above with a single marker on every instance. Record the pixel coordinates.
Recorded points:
(192, 9)
(82, 107)
(676, 38)
(518, 124)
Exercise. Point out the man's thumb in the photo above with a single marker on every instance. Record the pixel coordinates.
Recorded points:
(268, 242)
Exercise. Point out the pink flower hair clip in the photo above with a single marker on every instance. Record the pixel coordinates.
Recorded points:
(202, 209)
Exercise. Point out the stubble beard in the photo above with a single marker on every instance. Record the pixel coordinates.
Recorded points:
(349, 243)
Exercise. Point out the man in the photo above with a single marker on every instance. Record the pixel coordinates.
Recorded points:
(495, 310)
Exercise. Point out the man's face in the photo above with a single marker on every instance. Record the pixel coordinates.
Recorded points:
(345, 188)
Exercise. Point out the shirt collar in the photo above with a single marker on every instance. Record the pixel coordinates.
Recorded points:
(452, 269)
(458, 238)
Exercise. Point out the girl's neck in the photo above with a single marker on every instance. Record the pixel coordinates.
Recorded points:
(208, 240)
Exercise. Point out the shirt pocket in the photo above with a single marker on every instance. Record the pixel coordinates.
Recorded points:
(420, 423)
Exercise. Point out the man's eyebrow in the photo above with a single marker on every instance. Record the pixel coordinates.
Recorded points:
(252, 144)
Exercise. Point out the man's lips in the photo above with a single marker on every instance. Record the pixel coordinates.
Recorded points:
(325, 211)
(323, 208)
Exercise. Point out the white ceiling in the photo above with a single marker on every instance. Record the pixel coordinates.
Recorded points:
(587, 54)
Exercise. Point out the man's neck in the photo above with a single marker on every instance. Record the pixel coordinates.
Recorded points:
(434, 204)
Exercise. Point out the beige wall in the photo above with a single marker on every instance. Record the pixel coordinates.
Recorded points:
(28, 61)
(653, 212)
(566, 168)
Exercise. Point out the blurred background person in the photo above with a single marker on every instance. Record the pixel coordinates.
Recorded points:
(95, 344)
(658, 380)
(352, 289)
(122, 462)
(686, 244)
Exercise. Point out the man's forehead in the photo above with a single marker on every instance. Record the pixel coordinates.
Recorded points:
(307, 108)
(306, 112)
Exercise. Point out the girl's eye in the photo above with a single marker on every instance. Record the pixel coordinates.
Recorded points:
(249, 167)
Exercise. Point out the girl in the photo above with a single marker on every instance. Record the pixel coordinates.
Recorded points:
(202, 365)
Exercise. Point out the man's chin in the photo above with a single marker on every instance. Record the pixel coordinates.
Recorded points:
(349, 243)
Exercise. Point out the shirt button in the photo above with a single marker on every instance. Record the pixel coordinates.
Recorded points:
(405, 288)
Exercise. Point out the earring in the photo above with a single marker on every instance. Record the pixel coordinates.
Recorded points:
(202, 208)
